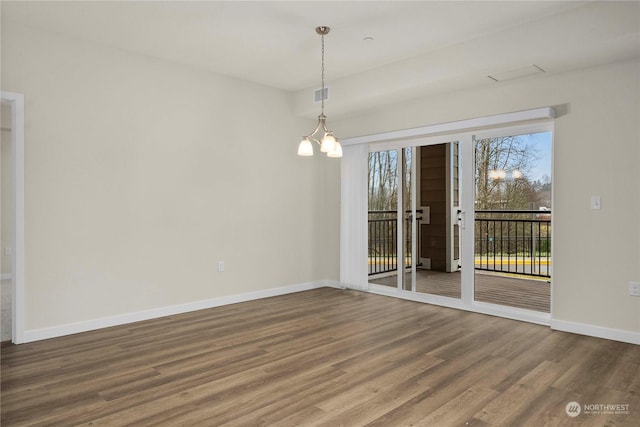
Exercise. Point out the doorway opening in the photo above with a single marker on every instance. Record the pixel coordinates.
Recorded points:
(6, 223)
(12, 212)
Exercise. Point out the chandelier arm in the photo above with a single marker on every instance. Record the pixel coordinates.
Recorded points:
(318, 126)
(323, 122)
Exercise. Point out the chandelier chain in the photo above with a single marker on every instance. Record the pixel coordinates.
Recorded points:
(322, 78)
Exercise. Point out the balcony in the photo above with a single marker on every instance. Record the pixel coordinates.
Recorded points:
(515, 241)
(512, 258)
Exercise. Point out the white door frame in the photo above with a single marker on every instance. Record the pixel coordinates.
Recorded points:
(353, 236)
(16, 101)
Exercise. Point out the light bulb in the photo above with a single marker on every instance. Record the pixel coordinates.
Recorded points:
(337, 152)
(328, 143)
(305, 148)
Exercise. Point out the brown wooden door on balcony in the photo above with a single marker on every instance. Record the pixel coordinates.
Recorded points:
(439, 234)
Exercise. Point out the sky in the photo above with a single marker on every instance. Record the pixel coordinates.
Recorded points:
(542, 143)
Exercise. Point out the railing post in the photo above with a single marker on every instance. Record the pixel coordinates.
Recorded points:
(533, 250)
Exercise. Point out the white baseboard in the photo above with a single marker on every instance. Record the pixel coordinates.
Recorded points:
(122, 319)
(596, 331)
(514, 314)
(6, 276)
(334, 284)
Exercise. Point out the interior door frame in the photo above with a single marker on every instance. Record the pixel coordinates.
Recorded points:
(16, 100)
(453, 212)
(353, 235)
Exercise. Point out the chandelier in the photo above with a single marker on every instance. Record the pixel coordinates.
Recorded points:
(328, 143)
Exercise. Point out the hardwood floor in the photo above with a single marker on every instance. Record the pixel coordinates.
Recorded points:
(322, 357)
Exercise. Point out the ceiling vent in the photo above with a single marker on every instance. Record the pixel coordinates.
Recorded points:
(517, 73)
(321, 94)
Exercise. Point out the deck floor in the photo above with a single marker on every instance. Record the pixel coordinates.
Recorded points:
(493, 288)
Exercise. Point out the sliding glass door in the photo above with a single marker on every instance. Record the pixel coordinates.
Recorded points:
(460, 219)
(414, 210)
(484, 243)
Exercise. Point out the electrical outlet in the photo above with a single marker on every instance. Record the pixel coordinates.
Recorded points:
(596, 203)
(634, 289)
(220, 266)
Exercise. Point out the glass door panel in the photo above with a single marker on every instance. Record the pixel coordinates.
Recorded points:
(414, 203)
(383, 218)
(513, 221)
(392, 216)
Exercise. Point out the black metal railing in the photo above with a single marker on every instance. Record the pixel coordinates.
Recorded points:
(507, 241)
(383, 231)
(513, 241)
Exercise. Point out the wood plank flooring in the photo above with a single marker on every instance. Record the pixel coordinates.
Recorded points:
(324, 357)
(530, 294)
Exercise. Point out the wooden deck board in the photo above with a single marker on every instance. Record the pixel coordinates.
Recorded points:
(524, 293)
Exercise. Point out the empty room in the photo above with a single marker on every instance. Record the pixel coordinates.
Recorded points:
(305, 213)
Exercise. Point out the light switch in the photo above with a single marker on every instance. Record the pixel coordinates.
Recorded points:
(595, 202)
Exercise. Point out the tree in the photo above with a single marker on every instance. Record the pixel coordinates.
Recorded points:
(502, 173)
(383, 193)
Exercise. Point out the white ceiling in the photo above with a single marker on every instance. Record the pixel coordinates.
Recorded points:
(444, 44)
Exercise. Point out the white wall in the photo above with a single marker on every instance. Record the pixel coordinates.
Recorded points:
(596, 152)
(141, 174)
